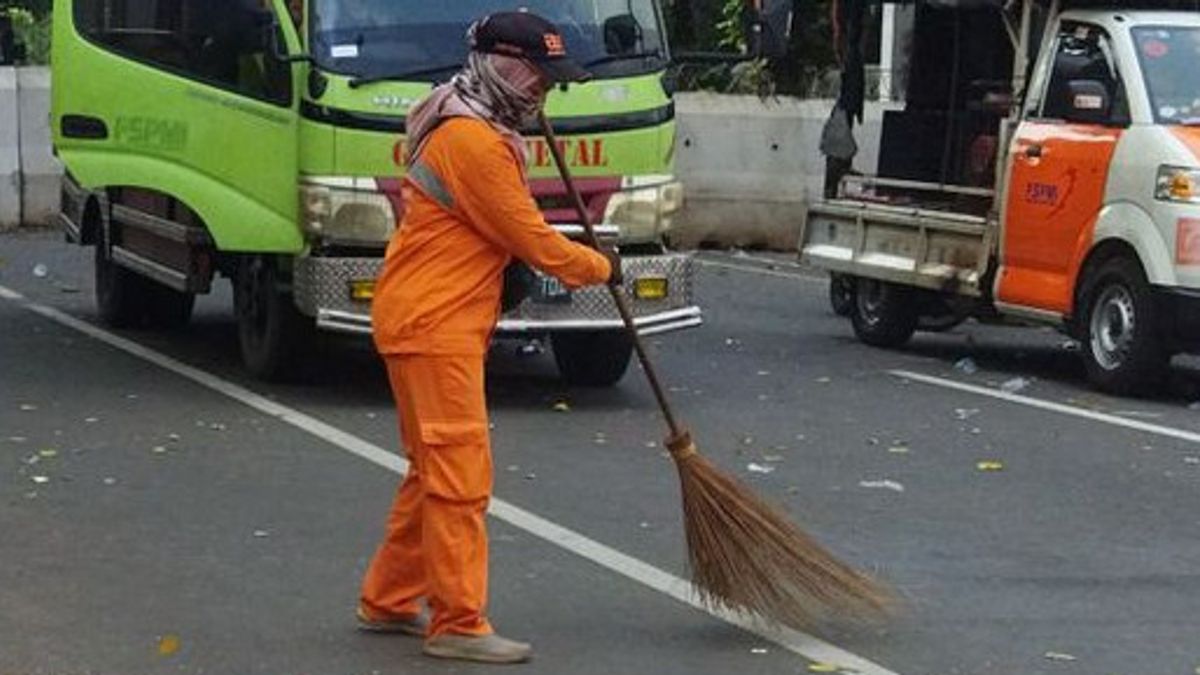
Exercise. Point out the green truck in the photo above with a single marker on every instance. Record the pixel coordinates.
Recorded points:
(262, 141)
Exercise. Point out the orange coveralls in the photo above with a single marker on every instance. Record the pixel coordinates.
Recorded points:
(437, 300)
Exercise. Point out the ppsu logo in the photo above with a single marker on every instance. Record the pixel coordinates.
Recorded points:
(393, 102)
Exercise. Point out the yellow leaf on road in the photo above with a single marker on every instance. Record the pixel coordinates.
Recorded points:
(990, 465)
(168, 645)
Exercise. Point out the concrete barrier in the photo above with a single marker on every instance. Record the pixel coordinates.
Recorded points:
(750, 166)
(10, 153)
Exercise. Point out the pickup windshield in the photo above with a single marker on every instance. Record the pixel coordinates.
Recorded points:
(1170, 56)
(382, 38)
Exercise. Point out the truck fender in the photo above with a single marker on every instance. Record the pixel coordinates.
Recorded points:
(1129, 223)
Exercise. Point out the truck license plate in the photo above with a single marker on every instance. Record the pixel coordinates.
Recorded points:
(549, 290)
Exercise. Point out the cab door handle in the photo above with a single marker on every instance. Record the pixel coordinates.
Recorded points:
(84, 126)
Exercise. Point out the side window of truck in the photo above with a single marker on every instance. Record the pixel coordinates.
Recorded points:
(1085, 85)
(225, 43)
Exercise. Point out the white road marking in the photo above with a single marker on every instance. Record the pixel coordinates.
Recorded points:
(807, 278)
(1136, 425)
(805, 645)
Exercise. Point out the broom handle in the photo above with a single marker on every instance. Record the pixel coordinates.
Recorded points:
(618, 295)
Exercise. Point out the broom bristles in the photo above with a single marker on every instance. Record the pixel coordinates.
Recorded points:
(745, 555)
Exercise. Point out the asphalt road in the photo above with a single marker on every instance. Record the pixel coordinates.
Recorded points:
(162, 513)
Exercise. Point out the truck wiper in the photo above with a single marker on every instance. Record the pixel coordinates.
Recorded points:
(623, 57)
(362, 80)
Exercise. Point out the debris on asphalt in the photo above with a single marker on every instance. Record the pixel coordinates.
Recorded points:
(17, 439)
(41, 271)
(512, 468)
(1137, 413)
(753, 467)
(562, 406)
(1191, 460)
(773, 458)
(40, 480)
(1194, 406)
(882, 485)
(989, 465)
(758, 650)
(966, 365)
(531, 476)
(763, 373)
(1014, 385)
(28, 407)
(651, 444)
(261, 534)
(823, 668)
(173, 437)
(792, 490)
(531, 348)
(965, 413)
(168, 645)
(158, 449)
(91, 420)
(1071, 345)
(823, 380)
(644, 525)
(1059, 656)
(217, 426)
(899, 449)
(109, 480)
(48, 452)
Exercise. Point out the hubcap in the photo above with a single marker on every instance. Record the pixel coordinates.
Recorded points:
(1113, 327)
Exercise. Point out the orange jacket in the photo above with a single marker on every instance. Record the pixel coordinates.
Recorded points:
(468, 211)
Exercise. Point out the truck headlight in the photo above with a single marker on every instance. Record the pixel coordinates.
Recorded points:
(1177, 184)
(643, 211)
(348, 214)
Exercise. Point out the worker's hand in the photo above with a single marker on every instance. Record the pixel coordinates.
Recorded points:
(614, 261)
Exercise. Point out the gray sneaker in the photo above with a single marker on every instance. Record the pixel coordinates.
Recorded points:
(481, 648)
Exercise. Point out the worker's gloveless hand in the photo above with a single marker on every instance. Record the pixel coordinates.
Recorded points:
(614, 261)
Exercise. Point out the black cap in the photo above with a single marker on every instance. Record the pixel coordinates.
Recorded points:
(528, 36)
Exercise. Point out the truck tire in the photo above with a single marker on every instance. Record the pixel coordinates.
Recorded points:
(592, 359)
(1124, 345)
(272, 334)
(841, 294)
(885, 314)
(121, 295)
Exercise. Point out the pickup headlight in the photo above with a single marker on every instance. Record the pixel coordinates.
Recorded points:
(644, 207)
(1178, 184)
(346, 211)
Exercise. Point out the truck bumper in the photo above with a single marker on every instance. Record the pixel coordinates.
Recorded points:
(322, 288)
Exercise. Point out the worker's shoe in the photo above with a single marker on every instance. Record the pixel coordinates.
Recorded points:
(481, 648)
(407, 625)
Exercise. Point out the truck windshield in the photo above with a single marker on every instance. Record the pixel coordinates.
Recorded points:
(1169, 56)
(387, 38)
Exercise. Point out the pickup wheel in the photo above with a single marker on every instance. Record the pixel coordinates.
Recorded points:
(885, 314)
(122, 295)
(272, 333)
(841, 294)
(1125, 349)
(592, 359)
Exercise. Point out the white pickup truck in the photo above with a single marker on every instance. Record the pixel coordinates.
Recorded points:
(1066, 192)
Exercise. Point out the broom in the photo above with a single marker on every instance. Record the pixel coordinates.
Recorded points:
(743, 554)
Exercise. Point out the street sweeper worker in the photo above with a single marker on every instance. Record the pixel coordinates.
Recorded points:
(468, 212)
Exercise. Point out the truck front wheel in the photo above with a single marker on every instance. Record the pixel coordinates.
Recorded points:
(592, 359)
(1125, 348)
(272, 333)
(122, 296)
(885, 314)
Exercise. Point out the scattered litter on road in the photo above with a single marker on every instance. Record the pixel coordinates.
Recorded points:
(758, 650)
(763, 397)
(1059, 656)
(966, 365)
(261, 534)
(1070, 345)
(773, 458)
(17, 439)
(759, 468)
(48, 452)
(965, 413)
(40, 480)
(1194, 406)
(1191, 460)
(41, 271)
(644, 525)
(91, 420)
(531, 476)
(651, 444)
(747, 440)
(900, 449)
(562, 406)
(512, 468)
(989, 465)
(168, 645)
(823, 380)
(173, 437)
(110, 481)
(763, 373)
(882, 484)
(976, 430)
(792, 490)
(28, 407)
(1014, 385)
(158, 450)
(217, 426)
(872, 441)
(823, 668)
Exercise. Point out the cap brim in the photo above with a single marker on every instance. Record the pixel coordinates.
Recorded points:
(563, 70)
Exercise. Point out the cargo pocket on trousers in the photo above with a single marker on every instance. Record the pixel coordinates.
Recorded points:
(458, 460)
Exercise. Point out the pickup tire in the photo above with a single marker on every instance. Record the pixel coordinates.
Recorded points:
(592, 359)
(841, 294)
(272, 333)
(1124, 346)
(885, 314)
(122, 295)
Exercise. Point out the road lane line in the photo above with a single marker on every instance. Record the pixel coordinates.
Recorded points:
(807, 278)
(800, 643)
(1158, 429)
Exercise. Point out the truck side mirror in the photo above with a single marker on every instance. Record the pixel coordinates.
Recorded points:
(278, 49)
(622, 34)
(770, 29)
(1089, 102)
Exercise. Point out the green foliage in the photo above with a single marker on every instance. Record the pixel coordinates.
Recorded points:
(32, 30)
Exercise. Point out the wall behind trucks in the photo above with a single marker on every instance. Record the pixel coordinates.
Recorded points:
(29, 173)
(751, 166)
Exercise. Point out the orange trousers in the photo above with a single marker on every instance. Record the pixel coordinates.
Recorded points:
(436, 548)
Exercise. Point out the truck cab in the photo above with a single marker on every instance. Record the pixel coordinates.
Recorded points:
(263, 141)
(1089, 222)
